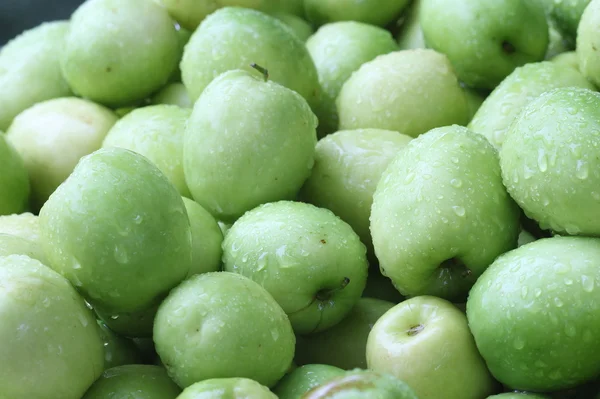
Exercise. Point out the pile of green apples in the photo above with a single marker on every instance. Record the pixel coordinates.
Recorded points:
(302, 199)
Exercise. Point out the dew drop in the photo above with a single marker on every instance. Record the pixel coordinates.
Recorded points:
(518, 343)
(456, 183)
(537, 292)
(570, 330)
(120, 254)
(587, 283)
(542, 161)
(409, 178)
(568, 281)
(524, 292)
(459, 210)
(582, 171)
(558, 302)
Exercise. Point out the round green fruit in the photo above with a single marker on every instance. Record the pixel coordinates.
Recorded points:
(118, 351)
(227, 388)
(14, 180)
(518, 395)
(137, 324)
(588, 41)
(302, 29)
(15, 245)
(25, 225)
(301, 380)
(173, 94)
(373, 12)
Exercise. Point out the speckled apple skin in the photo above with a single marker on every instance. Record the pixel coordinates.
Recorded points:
(373, 12)
(14, 180)
(25, 225)
(134, 380)
(227, 388)
(15, 245)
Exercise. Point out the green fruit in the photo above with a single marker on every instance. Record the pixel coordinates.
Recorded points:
(183, 36)
(118, 351)
(134, 381)
(30, 70)
(298, 382)
(263, 154)
(53, 135)
(511, 96)
(25, 225)
(302, 29)
(373, 12)
(227, 388)
(567, 15)
(568, 58)
(117, 53)
(155, 132)
(535, 312)
(343, 345)
(47, 334)
(223, 325)
(137, 324)
(517, 395)
(588, 42)
(308, 259)
(485, 40)
(557, 44)
(411, 34)
(348, 166)
(222, 43)
(551, 160)
(441, 214)
(475, 100)
(14, 180)
(400, 92)
(15, 245)
(173, 94)
(339, 49)
(118, 230)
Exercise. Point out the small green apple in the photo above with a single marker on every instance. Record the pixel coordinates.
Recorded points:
(48, 337)
(373, 12)
(298, 382)
(302, 29)
(568, 58)
(14, 180)
(400, 91)
(173, 94)
(425, 341)
(518, 395)
(534, 314)
(567, 15)
(557, 43)
(263, 154)
(53, 135)
(410, 35)
(551, 160)
(15, 245)
(223, 325)
(308, 259)
(25, 225)
(485, 40)
(117, 53)
(134, 381)
(588, 42)
(227, 388)
(441, 214)
(118, 351)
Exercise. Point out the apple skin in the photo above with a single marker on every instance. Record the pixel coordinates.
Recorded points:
(567, 15)
(412, 340)
(588, 41)
(373, 12)
(301, 380)
(308, 259)
(510, 97)
(118, 230)
(551, 145)
(47, 334)
(227, 388)
(173, 94)
(25, 225)
(223, 325)
(265, 154)
(138, 324)
(518, 395)
(53, 135)
(30, 70)
(485, 40)
(14, 180)
(302, 29)
(434, 230)
(15, 245)
(568, 58)
(529, 339)
(410, 35)
(399, 91)
(118, 351)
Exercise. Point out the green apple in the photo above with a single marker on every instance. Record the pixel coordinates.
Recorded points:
(400, 91)
(534, 314)
(227, 388)
(14, 180)
(343, 345)
(30, 70)
(410, 35)
(362, 384)
(588, 41)
(223, 325)
(380, 287)
(207, 238)
(224, 227)
(425, 341)
(138, 324)
(568, 58)
(518, 395)
(302, 29)
(525, 237)
(173, 94)
(155, 132)
(567, 15)
(441, 214)
(236, 38)
(248, 141)
(522, 86)
(15, 245)
(53, 135)
(485, 40)
(308, 259)
(48, 336)
(298, 382)
(134, 381)
(348, 166)
(183, 36)
(373, 12)
(557, 43)
(117, 53)
(551, 160)
(339, 49)
(118, 230)
(475, 99)
(118, 351)
(25, 225)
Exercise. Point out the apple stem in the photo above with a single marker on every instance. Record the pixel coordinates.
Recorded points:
(324, 295)
(415, 330)
(264, 71)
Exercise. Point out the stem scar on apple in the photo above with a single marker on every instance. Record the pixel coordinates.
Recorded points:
(455, 263)
(264, 71)
(414, 330)
(325, 294)
(508, 47)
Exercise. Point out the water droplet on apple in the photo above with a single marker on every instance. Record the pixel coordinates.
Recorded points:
(120, 254)
(454, 160)
(537, 292)
(83, 319)
(524, 292)
(138, 219)
(519, 343)
(540, 364)
(542, 160)
(456, 183)
(459, 210)
(527, 172)
(596, 195)
(563, 268)
(558, 302)
(582, 170)
(587, 283)
(568, 281)
(114, 317)
(572, 229)
(570, 330)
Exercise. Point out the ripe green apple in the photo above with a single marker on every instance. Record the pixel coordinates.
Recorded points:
(138, 324)
(551, 160)
(339, 49)
(475, 99)
(227, 388)
(15, 245)
(534, 314)
(117, 53)
(568, 58)
(263, 154)
(302, 29)
(53, 135)
(155, 132)
(118, 230)
(373, 12)
(557, 43)
(425, 341)
(49, 340)
(343, 345)
(518, 395)
(298, 382)
(410, 35)
(567, 14)
(223, 325)
(441, 214)
(134, 381)
(25, 225)
(30, 70)
(588, 42)
(485, 40)
(522, 86)
(308, 259)
(236, 38)
(348, 166)
(14, 180)
(118, 351)
(400, 91)
(173, 94)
